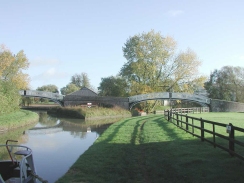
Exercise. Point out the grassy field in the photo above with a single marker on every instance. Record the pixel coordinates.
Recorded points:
(150, 149)
(237, 119)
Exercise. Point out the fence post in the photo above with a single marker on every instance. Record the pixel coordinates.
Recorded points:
(186, 122)
(168, 115)
(177, 116)
(202, 129)
(181, 121)
(232, 137)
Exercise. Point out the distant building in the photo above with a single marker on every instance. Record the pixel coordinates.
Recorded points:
(82, 97)
(85, 92)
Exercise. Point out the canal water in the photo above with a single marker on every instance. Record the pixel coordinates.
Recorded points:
(57, 142)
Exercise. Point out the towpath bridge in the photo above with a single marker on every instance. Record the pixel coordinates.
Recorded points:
(120, 101)
(41, 94)
(128, 102)
(200, 99)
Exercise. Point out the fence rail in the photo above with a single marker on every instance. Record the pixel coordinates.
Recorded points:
(191, 110)
(224, 136)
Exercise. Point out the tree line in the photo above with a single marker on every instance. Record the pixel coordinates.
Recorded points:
(226, 83)
(153, 64)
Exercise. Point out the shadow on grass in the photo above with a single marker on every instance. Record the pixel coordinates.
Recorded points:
(182, 158)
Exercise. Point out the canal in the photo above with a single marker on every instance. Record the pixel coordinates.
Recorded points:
(57, 142)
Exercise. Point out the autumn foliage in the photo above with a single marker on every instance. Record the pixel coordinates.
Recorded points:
(12, 79)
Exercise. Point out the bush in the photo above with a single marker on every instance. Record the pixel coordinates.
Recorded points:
(9, 97)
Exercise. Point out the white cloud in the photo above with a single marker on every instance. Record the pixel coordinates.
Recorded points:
(44, 62)
(174, 13)
(51, 73)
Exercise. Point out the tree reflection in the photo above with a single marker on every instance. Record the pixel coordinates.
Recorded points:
(46, 120)
(80, 128)
(16, 134)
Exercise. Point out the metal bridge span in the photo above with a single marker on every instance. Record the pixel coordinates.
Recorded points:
(202, 100)
(127, 103)
(43, 94)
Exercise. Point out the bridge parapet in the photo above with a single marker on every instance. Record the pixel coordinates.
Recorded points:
(44, 94)
(148, 96)
(192, 97)
(167, 95)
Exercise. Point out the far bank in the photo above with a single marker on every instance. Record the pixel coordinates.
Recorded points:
(87, 113)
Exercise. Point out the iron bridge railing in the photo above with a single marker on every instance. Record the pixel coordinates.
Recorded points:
(166, 95)
(34, 93)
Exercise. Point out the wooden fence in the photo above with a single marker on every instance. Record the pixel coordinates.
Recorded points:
(225, 136)
(185, 110)
(191, 110)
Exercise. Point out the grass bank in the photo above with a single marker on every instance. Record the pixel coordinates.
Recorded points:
(236, 118)
(17, 119)
(89, 113)
(150, 149)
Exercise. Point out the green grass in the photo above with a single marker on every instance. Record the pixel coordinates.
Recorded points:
(89, 113)
(17, 119)
(150, 149)
(236, 118)
(221, 117)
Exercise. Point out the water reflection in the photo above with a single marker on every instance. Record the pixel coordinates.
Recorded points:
(57, 142)
(46, 120)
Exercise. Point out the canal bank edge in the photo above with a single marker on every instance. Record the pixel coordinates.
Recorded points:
(89, 113)
(17, 119)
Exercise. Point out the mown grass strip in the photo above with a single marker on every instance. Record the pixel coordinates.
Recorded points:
(150, 149)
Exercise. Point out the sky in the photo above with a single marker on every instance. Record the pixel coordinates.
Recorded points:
(62, 38)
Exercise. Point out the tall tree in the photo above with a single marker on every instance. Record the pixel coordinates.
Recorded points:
(12, 79)
(70, 88)
(152, 61)
(48, 88)
(226, 84)
(85, 80)
(113, 86)
(81, 80)
(76, 80)
(12, 66)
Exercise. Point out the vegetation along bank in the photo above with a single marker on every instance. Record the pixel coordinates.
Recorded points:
(89, 113)
(150, 149)
(17, 119)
